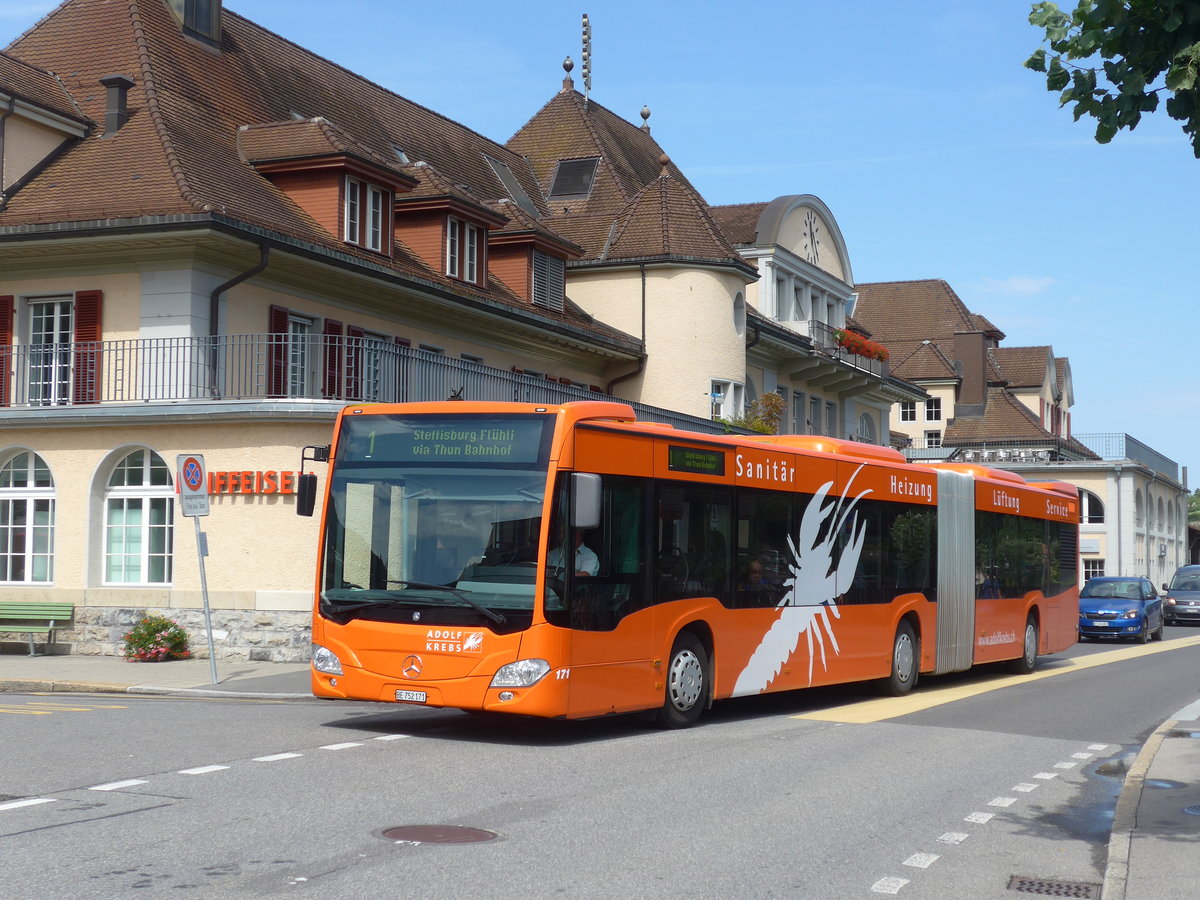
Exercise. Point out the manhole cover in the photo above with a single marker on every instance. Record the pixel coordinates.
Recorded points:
(439, 834)
(1049, 888)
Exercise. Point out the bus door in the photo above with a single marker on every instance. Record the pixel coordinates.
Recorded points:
(596, 586)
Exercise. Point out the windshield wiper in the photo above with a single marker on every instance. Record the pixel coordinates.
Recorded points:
(391, 598)
(474, 604)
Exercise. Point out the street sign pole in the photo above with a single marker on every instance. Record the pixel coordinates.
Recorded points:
(193, 502)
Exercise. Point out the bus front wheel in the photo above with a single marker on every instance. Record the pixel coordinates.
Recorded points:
(904, 662)
(687, 683)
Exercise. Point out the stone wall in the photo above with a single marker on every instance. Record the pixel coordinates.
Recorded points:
(255, 635)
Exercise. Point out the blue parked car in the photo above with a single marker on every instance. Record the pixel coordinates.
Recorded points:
(1123, 607)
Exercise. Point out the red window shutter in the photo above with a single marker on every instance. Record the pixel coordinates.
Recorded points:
(277, 325)
(6, 348)
(86, 375)
(334, 347)
(355, 352)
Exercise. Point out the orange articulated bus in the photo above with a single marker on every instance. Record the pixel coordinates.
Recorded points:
(569, 561)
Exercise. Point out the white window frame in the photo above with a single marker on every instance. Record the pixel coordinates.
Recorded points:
(727, 398)
(26, 485)
(933, 409)
(50, 331)
(933, 438)
(129, 489)
(376, 218)
(353, 218)
(908, 410)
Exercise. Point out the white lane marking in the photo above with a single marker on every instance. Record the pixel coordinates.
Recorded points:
(1082, 755)
(980, 818)
(889, 885)
(1097, 746)
(201, 770)
(1046, 776)
(276, 756)
(117, 785)
(344, 746)
(1002, 801)
(953, 837)
(15, 804)
(1025, 788)
(391, 737)
(921, 860)
(1064, 765)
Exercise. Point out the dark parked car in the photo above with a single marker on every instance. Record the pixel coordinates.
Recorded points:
(1181, 598)
(1123, 607)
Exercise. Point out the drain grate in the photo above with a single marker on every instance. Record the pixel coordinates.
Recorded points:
(439, 834)
(1049, 888)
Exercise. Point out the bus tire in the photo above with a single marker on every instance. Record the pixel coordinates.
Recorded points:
(687, 683)
(1025, 663)
(904, 662)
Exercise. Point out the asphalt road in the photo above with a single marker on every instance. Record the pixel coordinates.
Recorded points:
(816, 794)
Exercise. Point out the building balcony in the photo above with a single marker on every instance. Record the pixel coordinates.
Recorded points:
(105, 379)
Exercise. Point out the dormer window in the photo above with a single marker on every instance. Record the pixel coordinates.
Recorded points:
(203, 19)
(366, 215)
(462, 250)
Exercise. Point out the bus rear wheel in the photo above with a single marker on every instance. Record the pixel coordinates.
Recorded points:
(1025, 663)
(904, 662)
(687, 683)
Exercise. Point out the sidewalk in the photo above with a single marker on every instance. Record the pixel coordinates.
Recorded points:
(114, 674)
(1152, 850)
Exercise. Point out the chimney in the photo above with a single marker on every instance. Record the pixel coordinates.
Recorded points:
(970, 358)
(116, 102)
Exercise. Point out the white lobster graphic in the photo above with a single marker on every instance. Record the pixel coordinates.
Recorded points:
(812, 594)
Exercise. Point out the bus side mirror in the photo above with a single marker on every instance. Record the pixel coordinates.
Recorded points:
(306, 494)
(585, 488)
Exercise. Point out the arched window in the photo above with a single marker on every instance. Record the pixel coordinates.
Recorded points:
(26, 521)
(866, 428)
(1139, 508)
(139, 511)
(1091, 508)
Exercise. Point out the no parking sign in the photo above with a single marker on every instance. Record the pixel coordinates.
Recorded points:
(193, 484)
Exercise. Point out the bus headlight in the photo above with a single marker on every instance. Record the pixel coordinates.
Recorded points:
(522, 673)
(324, 660)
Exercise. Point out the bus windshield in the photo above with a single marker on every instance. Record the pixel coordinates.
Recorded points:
(436, 515)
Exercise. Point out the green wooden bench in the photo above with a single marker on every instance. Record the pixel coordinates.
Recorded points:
(29, 618)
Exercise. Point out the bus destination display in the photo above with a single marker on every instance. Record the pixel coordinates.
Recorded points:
(446, 439)
(698, 462)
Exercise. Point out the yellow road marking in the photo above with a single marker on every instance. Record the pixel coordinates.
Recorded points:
(24, 712)
(893, 707)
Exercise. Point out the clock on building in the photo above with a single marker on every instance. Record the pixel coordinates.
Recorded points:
(812, 237)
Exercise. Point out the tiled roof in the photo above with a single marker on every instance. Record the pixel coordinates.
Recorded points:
(1022, 367)
(181, 151)
(920, 361)
(38, 87)
(631, 196)
(1005, 419)
(738, 221)
(668, 219)
(915, 311)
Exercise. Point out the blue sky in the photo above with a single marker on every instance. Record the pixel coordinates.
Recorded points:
(938, 154)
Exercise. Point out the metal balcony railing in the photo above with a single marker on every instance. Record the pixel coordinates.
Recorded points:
(273, 366)
(822, 335)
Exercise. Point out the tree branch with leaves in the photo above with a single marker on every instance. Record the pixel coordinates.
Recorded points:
(1115, 59)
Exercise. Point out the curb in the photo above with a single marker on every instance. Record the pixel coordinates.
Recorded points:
(1116, 872)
